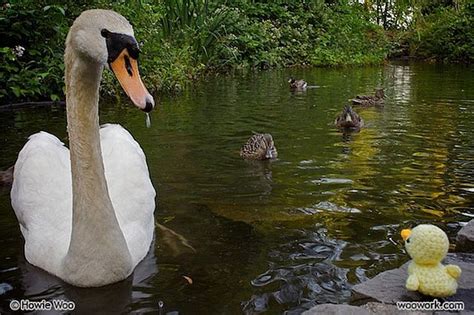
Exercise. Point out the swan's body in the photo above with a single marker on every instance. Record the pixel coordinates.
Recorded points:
(87, 214)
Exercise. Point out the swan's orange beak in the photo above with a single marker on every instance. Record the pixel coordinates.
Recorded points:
(405, 234)
(125, 69)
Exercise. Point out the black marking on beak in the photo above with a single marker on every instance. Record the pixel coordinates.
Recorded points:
(148, 107)
(128, 66)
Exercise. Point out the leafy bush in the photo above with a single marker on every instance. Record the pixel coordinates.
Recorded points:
(184, 39)
(31, 51)
(446, 35)
(350, 39)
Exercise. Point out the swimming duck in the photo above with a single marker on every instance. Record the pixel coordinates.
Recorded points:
(370, 100)
(83, 217)
(297, 85)
(349, 119)
(260, 146)
(427, 245)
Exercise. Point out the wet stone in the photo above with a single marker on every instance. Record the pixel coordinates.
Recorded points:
(389, 286)
(256, 304)
(465, 238)
(387, 309)
(369, 308)
(336, 309)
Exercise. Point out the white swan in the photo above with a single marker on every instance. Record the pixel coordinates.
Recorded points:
(87, 214)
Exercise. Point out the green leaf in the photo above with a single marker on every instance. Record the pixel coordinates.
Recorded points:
(16, 90)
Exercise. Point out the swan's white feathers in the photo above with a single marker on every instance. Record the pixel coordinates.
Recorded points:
(42, 198)
(130, 188)
(42, 195)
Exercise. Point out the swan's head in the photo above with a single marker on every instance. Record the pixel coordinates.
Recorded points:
(105, 37)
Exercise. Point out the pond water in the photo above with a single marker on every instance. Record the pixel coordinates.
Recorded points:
(281, 235)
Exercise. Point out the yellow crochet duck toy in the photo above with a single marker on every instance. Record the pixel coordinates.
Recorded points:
(427, 245)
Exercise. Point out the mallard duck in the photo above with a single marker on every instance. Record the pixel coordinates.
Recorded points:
(260, 146)
(370, 100)
(84, 219)
(6, 177)
(349, 119)
(297, 85)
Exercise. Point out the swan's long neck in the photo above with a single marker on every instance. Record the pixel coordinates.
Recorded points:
(97, 248)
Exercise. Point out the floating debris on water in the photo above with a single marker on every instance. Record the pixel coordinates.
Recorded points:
(324, 206)
(5, 287)
(325, 180)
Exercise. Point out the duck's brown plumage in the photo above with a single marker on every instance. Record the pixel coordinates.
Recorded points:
(260, 146)
(348, 119)
(370, 100)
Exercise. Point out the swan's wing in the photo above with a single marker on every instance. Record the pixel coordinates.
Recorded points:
(130, 188)
(42, 199)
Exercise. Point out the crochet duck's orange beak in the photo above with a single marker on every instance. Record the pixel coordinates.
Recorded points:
(405, 233)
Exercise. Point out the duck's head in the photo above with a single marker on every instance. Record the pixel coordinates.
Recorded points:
(269, 145)
(349, 116)
(426, 244)
(106, 38)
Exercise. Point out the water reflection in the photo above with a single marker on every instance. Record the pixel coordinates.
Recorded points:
(302, 273)
(400, 76)
(279, 235)
(117, 298)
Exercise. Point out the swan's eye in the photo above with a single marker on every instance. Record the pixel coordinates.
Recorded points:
(117, 42)
(105, 33)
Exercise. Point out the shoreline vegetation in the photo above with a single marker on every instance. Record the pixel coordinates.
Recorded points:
(188, 39)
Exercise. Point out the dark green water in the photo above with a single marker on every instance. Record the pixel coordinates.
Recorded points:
(282, 235)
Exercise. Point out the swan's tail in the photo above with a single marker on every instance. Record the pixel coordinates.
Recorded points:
(6, 177)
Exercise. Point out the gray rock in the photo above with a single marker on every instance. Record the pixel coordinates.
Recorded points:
(336, 309)
(389, 286)
(367, 309)
(465, 238)
(387, 309)
(386, 287)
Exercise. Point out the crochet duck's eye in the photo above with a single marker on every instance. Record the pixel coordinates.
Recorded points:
(408, 240)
